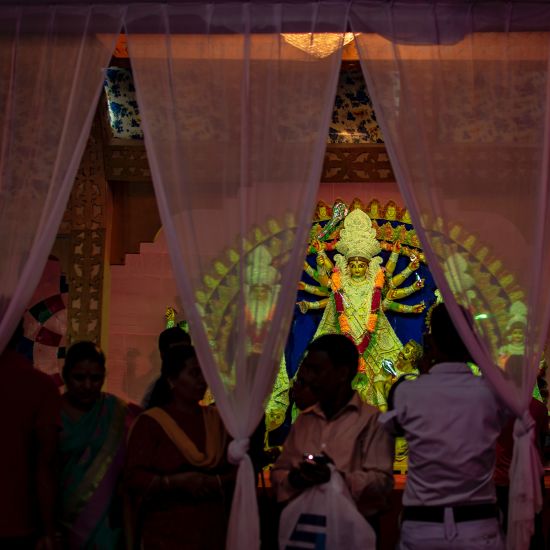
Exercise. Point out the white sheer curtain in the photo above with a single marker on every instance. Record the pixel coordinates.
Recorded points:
(235, 122)
(462, 94)
(51, 60)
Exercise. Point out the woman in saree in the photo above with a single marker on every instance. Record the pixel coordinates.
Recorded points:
(92, 447)
(176, 472)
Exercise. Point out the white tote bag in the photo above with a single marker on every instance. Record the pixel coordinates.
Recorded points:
(325, 517)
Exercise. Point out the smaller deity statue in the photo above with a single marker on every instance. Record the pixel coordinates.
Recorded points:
(515, 333)
(407, 364)
(261, 292)
(408, 357)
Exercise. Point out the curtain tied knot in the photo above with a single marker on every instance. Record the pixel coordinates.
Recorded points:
(237, 450)
(524, 425)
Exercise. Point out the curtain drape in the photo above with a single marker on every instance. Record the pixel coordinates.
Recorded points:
(51, 61)
(235, 123)
(461, 91)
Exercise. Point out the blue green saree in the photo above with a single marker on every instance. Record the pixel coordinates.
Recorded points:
(92, 450)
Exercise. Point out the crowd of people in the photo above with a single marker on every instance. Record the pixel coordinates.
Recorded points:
(86, 470)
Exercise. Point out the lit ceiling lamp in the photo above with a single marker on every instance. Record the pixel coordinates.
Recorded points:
(319, 44)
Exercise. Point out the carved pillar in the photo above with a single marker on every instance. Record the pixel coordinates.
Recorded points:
(86, 218)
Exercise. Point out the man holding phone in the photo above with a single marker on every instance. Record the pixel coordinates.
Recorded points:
(340, 429)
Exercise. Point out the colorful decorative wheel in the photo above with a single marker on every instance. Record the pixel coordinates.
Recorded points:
(45, 322)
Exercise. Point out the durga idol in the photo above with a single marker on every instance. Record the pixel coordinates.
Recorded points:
(360, 291)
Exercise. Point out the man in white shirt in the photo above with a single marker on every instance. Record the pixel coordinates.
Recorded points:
(451, 420)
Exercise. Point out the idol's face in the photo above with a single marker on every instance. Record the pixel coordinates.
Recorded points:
(357, 269)
(260, 293)
(407, 353)
(516, 336)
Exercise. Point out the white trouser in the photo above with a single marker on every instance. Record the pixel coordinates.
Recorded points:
(448, 535)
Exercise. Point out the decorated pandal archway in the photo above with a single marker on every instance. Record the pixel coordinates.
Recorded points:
(384, 315)
(365, 276)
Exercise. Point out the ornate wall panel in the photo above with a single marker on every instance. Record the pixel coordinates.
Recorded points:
(355, 150)
(343, 163)
(126, 162)
(356, 163)
(86, 218)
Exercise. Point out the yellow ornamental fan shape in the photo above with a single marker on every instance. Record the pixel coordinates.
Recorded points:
(226, 295)
(517, 296)
(481, 254)
(210, 282)
(273, 226)
(495, 266)
(221, 269)
(507, 280)
(233, 256)
(275, 247)
(290, 220)
(455, 232)
(258, 235)
(469, 242)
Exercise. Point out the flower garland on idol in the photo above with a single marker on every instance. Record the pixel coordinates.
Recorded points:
(343, 321)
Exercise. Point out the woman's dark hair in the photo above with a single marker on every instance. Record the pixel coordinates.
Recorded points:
(170, 337)
(82, 351)
(173, 363)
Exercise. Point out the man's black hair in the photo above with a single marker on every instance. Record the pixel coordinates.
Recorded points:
(445, 335)
(341, 351)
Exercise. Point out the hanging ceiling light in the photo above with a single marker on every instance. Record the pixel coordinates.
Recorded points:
(319, 44)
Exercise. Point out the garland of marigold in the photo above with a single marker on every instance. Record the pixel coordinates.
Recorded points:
(374, 308)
